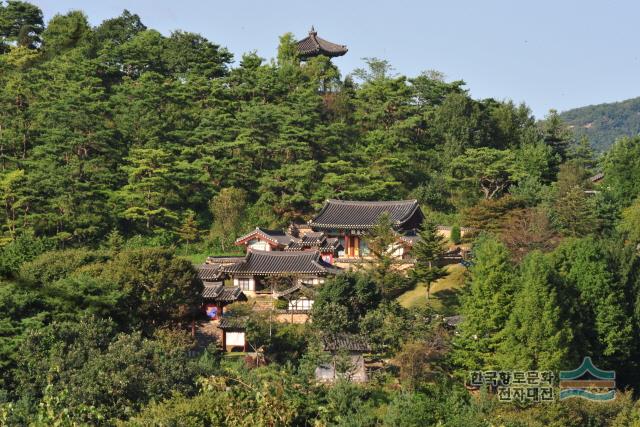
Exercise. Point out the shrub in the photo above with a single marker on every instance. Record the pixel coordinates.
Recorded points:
(456, 235)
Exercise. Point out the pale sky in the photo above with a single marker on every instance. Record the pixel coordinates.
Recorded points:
(550, 54)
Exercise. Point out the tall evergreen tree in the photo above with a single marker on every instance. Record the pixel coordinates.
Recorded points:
(428, 252)
(147, 197)
(382, 266)
(486, 304)
(538, 334)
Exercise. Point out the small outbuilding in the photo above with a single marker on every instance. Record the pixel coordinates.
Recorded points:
(216, 296)
(346, 358)
(234, 333)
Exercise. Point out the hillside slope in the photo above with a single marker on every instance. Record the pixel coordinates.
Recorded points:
(604, 123)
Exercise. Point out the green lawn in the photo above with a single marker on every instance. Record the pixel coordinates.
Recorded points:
(195, 258)
(198, 258)
(444, 292)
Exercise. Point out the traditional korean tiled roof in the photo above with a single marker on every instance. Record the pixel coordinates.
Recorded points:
(597, 177)
(316, 240)
(220, 293)
(312, 45)
(280, 263)
(232, 323)
(209, 272)
(449, 228)
(344, 214)
(220, 260)
(275, 237)
(348, 342)
(299, 287)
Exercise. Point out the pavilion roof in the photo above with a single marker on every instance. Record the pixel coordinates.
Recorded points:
(348, 214)
(312, 45)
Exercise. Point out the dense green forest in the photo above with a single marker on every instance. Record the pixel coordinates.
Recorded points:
(119, 127)
(123, 151)
(604, 123)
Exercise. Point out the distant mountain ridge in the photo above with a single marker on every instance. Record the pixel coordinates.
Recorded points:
(604, 123)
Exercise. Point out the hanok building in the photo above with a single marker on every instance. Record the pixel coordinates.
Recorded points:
(265, 240)
(234, 333)
(312, 45)
(354, 347)
(293, 240)
(351, 221)
(252, 274)
(297, 300)
(216, 296)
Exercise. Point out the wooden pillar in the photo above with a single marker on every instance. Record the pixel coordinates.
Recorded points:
(224, 340)
(347, 240)
(356, 246)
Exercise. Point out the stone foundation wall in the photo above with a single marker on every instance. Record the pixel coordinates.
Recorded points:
(292, 318)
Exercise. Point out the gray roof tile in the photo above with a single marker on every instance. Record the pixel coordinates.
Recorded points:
(312, 45)
(274, 262)
(364, 215)
(232, 323)
(221, 293)
(347, 342)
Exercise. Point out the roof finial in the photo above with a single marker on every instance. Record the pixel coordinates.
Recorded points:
(313, 31)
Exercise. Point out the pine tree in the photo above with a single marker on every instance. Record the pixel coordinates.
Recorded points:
(538, 335)
(600, 311)
(149, 192)
(428, 252)
(115, 241)
(486, 304)
(188, 231)
(382, 241)
(227, 209)
(574, 211)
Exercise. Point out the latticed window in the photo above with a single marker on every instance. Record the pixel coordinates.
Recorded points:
(301, 304)
(312, 281)
(244, 284)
